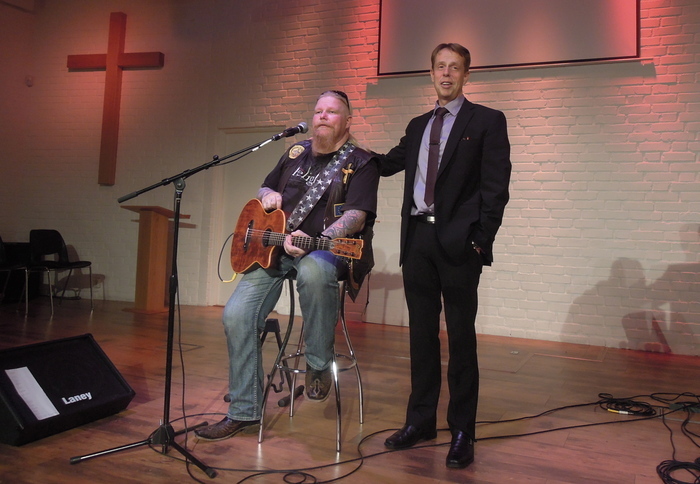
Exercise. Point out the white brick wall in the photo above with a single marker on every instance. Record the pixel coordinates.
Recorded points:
(600, 242)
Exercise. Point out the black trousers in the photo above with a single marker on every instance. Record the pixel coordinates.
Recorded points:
(429, 278)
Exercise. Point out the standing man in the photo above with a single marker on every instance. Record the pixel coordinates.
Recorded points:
(457, 167)
(327, 186)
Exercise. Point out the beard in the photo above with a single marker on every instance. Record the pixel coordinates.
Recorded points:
(324, 141)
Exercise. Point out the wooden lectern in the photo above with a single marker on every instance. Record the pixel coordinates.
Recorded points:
(153, 259)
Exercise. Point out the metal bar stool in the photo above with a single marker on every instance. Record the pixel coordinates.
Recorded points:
(349, 361)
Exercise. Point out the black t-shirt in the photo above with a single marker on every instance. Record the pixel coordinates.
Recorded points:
(361, 192)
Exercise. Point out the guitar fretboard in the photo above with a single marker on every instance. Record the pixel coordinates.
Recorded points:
(303, 242)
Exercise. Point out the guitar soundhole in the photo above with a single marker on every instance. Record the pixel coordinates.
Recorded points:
(266, 238)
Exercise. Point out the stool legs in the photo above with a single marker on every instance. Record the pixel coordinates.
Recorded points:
(338, 420)
(352, 357)
(281, 365)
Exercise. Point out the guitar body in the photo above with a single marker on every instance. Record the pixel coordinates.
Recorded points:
(258, 233)
(248, 250)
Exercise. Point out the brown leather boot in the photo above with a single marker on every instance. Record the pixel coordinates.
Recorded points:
(318, 384)
(227, 428)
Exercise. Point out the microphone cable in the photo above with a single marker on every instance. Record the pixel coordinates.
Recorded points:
(625, 406)
(668, 469)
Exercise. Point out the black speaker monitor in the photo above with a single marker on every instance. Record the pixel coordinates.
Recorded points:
(49, 387)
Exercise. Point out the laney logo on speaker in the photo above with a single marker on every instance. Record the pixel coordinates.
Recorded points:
(77, 398)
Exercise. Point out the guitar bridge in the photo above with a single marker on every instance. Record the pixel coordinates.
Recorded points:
(246, 239)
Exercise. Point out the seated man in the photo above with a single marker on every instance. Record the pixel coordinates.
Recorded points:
(346, 178)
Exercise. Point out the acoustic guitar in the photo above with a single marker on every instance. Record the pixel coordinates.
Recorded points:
(258, 233)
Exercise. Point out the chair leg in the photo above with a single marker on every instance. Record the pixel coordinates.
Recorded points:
(92, 304)
(4, 286)
(51, 289)
(26, 292)
(65, 285)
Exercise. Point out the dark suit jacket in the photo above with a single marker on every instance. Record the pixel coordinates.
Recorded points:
(471, 190)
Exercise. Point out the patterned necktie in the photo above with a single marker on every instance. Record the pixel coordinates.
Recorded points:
(433, 155)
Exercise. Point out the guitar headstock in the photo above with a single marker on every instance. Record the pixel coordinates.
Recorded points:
(350, 248)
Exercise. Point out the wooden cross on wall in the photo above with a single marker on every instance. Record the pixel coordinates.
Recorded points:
(114, 62)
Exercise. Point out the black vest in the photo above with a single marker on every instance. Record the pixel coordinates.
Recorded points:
(358, 268)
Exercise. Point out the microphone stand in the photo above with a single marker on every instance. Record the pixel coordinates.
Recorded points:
(165, 434)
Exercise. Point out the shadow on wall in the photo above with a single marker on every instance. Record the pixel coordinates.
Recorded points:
(79, 279)
(661, 316)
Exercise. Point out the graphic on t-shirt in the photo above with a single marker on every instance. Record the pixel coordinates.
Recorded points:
(308, 176)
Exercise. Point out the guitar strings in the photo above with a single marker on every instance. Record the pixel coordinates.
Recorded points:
(303, 242)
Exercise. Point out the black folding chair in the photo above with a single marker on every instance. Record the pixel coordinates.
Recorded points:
(44, 244)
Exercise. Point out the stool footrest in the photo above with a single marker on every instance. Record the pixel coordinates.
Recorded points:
(283, 366)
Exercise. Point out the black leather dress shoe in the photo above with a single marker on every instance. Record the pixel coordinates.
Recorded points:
(461, 452)
(408, 436)
(226, 428)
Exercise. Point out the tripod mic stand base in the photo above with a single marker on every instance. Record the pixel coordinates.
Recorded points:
(164, 436)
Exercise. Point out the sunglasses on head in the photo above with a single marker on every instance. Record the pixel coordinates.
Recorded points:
(339, 94)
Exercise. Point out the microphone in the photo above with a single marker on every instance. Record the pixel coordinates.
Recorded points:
(299, 128)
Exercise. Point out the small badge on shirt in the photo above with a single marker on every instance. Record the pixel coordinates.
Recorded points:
(338, 210)
(295, 151)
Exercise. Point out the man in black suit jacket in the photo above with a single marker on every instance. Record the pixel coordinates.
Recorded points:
(445, 241)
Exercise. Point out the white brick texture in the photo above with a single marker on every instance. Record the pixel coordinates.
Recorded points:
(601, 240)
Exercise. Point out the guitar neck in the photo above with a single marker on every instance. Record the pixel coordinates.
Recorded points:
(301, 241)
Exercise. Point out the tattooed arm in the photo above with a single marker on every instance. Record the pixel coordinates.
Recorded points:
(351, 222)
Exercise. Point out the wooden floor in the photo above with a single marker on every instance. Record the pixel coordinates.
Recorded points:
(518, 378)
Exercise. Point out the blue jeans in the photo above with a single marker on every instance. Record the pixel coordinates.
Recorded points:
(255, 297)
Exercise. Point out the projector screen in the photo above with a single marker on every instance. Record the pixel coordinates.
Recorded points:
(506, 33)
